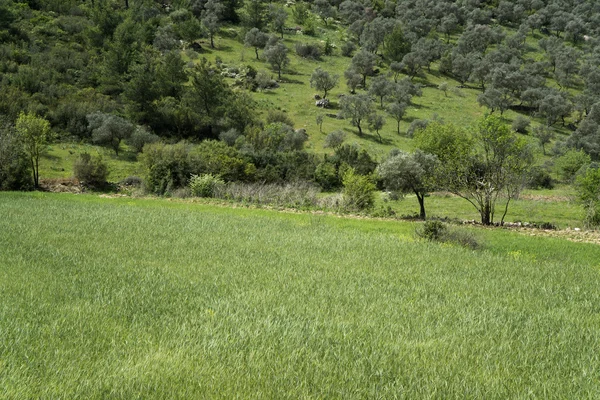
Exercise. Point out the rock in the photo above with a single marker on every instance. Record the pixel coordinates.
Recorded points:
(323, 103)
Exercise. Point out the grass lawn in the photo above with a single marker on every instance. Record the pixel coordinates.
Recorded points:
(122, 298)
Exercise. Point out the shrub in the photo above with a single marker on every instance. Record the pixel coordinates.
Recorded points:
(335, 139)
(437, 231)
(520, 124)
(167, 167)
(90, 171)
(358, 191)
(326, 175)
(348, 48)
(570, 163)
(416, 125)
(229, 136)
(15, 170)
(539, 178)
(432, 230)
(275, 116)
(205, 185)
(307, 50)
(140, 137)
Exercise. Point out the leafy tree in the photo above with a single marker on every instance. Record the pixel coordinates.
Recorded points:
(544, 135)
(257, 39)
(403, 172)
(554, 107)
(319, 120)
(109, 129)
(353, 79)
(34, 133)
(90, 170)
(255, 12)
(376, 122)
(278, 17)
(211, 19)
(494, 162)
(374, 33)
(357, 108)
(396, 110)
(324, 10)
(587, 135)
(277, 56)
(380, 88)
(363, 63)
(323, 81)
(494, 99)
(395, 45)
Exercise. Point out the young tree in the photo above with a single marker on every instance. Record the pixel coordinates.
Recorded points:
(544, 135)
(257, 39)
(324, 10)
(376, 122)
(211, 19)
(35, 135)
(357, 107)
(322, 80)
(319, 119)
(396, 110)
(405, 173)
(335, 139)
(277, 56)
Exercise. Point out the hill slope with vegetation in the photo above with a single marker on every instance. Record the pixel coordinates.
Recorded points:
(244, 77)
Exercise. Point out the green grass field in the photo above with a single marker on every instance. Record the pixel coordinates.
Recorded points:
(123, 298)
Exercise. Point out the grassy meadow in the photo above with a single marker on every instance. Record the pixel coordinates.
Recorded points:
(150, 298)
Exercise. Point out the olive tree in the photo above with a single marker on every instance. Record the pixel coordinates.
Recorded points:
(357, 108)
(323, 81)
(493, 161)
(409, 173)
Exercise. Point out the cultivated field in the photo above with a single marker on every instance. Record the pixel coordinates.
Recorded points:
(123, 298)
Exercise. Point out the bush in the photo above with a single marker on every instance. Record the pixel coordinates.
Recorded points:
(15, 170)
(229, 136)
(359, 191)
(416, 125)
(539, 178)
(348, 48)
(275, 116)
(167, 167)
(205, 185)
(90, 171)
(520, 124)
(140, 137)
(432, 230)
(307, 50)
(335, 139)
(326, 175)
(437, 231)
(570, 163)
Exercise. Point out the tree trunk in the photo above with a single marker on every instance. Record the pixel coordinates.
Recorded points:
(421, 199)
(398, 127)
(486, 214)
(359, 128)
(256, 51)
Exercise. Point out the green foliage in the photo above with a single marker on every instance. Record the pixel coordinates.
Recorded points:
(15, 165)
(432, 230)
(34, 134)
(588, 191)
(90, 171)
(326, 175)
(167, 167)
(520, 124)
(109, 129)
(323, 81)
(205, 185)
(359, 191)
(335, 139)
(140, 137)
(300, 12)
(570, 163)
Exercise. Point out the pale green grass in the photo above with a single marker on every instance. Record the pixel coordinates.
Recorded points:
(122, 298)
